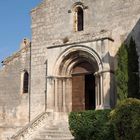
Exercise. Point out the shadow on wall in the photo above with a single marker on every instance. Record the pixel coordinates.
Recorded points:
(127, 71)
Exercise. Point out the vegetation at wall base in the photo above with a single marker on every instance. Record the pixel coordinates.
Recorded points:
(91, 125)
(122, 123)
(127, 77)
(133, 68)
(125, 119)
(122, 73)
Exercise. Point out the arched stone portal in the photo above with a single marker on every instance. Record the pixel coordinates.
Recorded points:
(75, 84)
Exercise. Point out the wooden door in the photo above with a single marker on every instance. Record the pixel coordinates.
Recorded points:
(78, 92)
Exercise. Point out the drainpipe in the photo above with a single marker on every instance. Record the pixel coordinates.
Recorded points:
(46, 86)
(30, 83)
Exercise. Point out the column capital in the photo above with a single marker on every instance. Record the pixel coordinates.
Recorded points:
(58, 77)
(103, 71)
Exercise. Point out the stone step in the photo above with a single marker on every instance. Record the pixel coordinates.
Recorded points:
(68, 138)
(59, 131)
(55, 139)
(50, 127)
(55, 127)
(53, 130)
(54, 134)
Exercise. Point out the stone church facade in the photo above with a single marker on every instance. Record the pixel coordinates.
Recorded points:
(70, 62)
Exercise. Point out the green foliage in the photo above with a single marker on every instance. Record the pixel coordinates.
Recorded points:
(127, 77)
(126, 120)
(122, 73)
(133, 75)
(91, 125)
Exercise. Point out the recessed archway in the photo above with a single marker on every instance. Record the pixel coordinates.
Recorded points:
(76, 87)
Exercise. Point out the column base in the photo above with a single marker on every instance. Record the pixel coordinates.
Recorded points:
(101, 107)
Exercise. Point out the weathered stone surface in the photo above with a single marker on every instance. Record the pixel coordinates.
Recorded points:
(55, 51)
(14, 105)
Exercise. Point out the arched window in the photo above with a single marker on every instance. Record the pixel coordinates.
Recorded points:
(25, 82)
(79, 19)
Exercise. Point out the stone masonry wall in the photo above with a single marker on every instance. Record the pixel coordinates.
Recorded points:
(52, 23)
(14, 107)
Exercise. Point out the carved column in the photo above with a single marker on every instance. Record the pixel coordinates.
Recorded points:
(56, 95)
(50, 93)
(96, 89)
(68, 96)
(64, 95)
(106, 88)
(99, 91)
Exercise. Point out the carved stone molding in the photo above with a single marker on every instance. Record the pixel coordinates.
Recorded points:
(29, 130)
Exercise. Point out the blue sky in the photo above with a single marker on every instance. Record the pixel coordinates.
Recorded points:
(15, 23)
